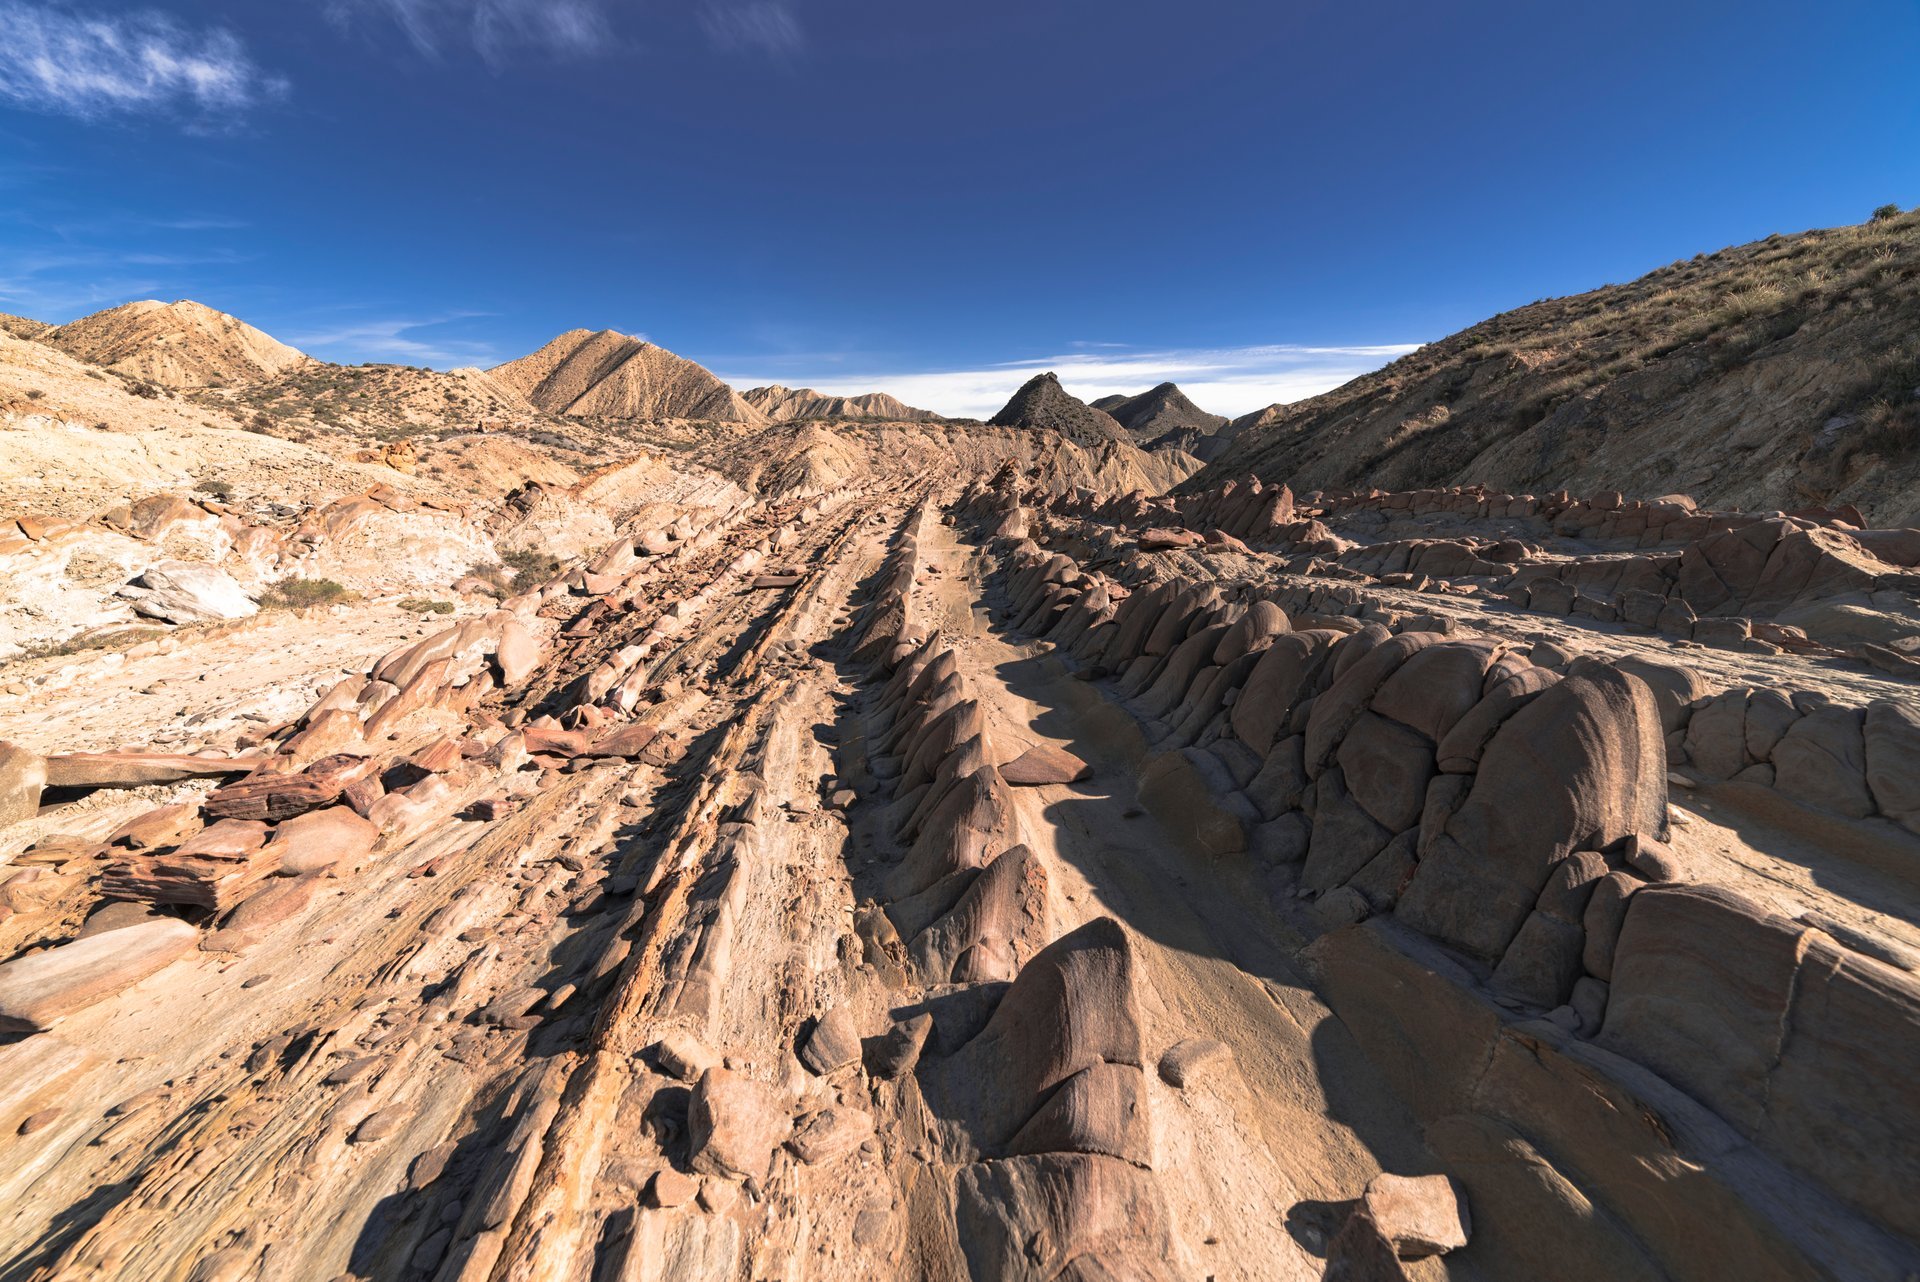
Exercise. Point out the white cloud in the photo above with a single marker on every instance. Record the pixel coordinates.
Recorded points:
(396, 341)
(499, 30)
(1231, 381)
(761, 26)
(55, 59)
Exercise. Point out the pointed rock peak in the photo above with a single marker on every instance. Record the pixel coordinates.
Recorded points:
(607, 374)
(1043, 404)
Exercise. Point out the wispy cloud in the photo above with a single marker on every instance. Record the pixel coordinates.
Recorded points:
(1231, 381)
(397, 340)
(759, 26)
(60, 60)
(500, 31)
(58, 284)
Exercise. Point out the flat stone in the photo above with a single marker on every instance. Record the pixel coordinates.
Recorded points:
(1044, 763)
(734, 1125)
(831, 1133)
(1420, 1215)
(39, 989)
(671, 1188)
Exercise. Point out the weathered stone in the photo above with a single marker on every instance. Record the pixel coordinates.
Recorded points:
(1892, 743)
(1421, 1215)
(1387, 766)
(1700, 987)
(1580, 767)
(1822, 761)
(23, 775)
(834, 1041)
(680, 1054)
(40, 989)
(1189, 1062)
(669, 1187)
(831, 1134)
(1043, 764)
(1361, 1252)
(1606, 913)
(322, 839)
(895, 1052)
(734, 1125)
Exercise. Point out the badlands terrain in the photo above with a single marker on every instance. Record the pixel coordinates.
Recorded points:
(579, 820)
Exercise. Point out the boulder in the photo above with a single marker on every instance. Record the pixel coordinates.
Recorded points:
(834, 1041)
(734, 1125)
(1421, 1215)
(1042, 764)
(188, 592)
(321, 839)
(1579, 768)
(831, 1134)
(23, 776)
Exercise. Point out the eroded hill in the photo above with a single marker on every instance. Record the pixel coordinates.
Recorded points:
(1776, 375)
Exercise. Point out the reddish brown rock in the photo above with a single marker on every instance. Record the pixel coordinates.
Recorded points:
(1043, 763)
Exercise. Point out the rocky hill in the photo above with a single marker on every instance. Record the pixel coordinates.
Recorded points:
(1163, 418)
(179, 344)
(1774, 375)
(1042, 404)
(789, 405)
(606, 374)
(382, 401)
(22, 327)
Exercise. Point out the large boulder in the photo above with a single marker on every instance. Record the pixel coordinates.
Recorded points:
(1581, 767)
(1892, 740)
(734, 1125)
(188, 592)
(23, 775)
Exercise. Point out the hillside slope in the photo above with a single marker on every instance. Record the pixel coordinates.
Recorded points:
(179, 344)
(797, 404)
(606, 374)
(1773, 375)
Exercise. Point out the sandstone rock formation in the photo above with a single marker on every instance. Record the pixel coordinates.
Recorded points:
(923, 849)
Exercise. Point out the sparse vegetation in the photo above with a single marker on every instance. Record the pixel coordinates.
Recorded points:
(297, 594)
(90, 643)
(1884, 213)
(421, 605)
(530, 567)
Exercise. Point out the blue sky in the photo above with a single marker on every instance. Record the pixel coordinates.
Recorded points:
(1257, 199)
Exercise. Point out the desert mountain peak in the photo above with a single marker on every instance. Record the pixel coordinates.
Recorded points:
(177, 344)
(1164, 418)
(1044, 404)
(607, 374)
